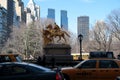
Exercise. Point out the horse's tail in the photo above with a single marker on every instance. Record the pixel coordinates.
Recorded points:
(67, 34)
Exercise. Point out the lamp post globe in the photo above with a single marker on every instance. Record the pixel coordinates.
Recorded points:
(80, 37)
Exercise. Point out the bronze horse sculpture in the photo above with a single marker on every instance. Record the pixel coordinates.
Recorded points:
(52, 32)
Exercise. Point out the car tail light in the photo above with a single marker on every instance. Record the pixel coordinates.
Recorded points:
(58, 76)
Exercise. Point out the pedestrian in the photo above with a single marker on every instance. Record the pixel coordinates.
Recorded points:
(53, 61)
(39, 60)
(44, 60)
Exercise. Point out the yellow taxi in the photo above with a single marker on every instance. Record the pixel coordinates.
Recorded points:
(10, 58)
(93, 69)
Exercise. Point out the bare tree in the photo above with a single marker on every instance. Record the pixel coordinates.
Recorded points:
(26, 40)
(73, 43)
(114, 22)
(45, 22)
(33, 41)
(100, 37)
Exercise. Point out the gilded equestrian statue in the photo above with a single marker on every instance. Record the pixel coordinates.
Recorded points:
(52, 32)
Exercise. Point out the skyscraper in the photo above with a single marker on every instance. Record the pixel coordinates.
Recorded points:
(19, 8)
(10, 7)
(3, 26)
(51, 14)
(64, 19)
(32, 12)
(83, 27)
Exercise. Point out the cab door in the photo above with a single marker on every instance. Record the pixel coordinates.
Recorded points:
(108, 70)
(87, 71)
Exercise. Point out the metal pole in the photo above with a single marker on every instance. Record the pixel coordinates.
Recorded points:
(80, 37)
(80, 49)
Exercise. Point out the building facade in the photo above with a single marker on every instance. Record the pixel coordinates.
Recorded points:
(64, 19)
(11, 11)
(32, 12)
(83, 27)
(10, 7)
(51, 14)
(3, 26)
(19, 9)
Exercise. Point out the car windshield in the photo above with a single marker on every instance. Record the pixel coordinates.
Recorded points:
(87, 64)
(76, 66)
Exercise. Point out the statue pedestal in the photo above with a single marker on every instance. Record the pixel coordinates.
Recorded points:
(57, 49)
(60, 52)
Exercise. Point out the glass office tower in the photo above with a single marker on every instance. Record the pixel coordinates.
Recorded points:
(51, 14)
(64, 19)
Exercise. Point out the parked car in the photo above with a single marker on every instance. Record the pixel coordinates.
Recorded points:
(117, 78)
(10, 58)
(27, 71)
(93, 69)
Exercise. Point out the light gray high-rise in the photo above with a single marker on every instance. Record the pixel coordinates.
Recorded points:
(32, 12)
(83, 27)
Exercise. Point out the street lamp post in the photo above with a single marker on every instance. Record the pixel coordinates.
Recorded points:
(80, 37)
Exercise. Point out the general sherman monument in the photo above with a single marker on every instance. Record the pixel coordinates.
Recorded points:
(56, 44)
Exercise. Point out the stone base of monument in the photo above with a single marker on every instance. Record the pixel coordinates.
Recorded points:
(57, 49)
(60, 53)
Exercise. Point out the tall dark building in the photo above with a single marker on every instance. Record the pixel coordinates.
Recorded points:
(13, 8)
(10, 8)
(9, 5)
(51, 14)
(3, 26)
(64, 19)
